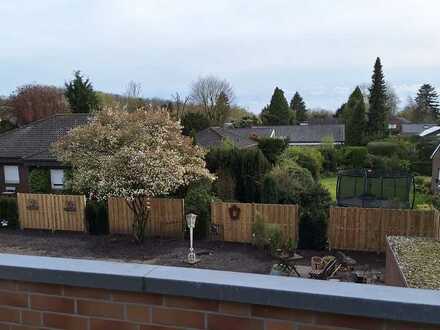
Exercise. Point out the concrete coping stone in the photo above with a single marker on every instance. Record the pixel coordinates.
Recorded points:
(385, 302)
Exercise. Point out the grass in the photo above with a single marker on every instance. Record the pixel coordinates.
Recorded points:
(330, 184)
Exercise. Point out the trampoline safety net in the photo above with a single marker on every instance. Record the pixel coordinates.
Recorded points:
(375, 189)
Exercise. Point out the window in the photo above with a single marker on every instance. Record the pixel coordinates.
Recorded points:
(57, 179)
(11, 174)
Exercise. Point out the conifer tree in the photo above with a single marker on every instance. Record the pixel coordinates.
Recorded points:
(221, 109)
(80, 94)
(278, 111)
(298, 107)
(378, 112)
(354, 117)
(427, 103)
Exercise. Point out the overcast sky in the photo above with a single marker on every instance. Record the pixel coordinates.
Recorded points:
(321, 48)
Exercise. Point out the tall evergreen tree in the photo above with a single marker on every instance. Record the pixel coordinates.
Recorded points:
(298, 107)
(355, 119)
(221, 109)
(80, 94)
(278, 111)
(427, 103)
(378, 112)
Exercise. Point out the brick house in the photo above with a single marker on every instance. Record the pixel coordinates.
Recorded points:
(28, 147)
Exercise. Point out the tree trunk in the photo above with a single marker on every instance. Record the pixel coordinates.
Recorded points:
(142, 211)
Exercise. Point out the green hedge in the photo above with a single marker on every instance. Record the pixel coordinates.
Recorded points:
(384, 148)
(198, 201)
(289, 183)
(272, 148)
(97, 217)
(39, 180)
(309, 158)
(9, 211)
(354, 157)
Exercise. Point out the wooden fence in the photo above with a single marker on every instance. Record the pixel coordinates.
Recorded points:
(52, 212)
(236, 219)
(365, 229)
(167, 216)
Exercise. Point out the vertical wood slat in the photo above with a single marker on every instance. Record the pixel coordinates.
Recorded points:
(240, 230)
(51, 213)
(364, 229)
(167, 217)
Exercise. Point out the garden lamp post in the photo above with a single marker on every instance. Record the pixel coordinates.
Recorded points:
(191, 223)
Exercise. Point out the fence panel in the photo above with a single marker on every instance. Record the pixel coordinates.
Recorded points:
(167, 217)
(239, 228)
(365, 229)
(51, 212)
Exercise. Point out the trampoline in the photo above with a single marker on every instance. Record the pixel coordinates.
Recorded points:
(375, 189)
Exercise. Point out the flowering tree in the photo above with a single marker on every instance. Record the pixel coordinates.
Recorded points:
(134, 155)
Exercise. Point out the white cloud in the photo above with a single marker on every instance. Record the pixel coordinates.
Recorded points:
(322, 48)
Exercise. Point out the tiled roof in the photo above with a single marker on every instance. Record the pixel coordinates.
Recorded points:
(415, 129)
(33, 140)
(242, 137)
(311, 133)
(295, 134)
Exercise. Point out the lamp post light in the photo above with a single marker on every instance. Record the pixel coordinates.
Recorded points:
(191, 223)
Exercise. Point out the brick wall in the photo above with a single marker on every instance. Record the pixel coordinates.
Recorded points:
(26, 306)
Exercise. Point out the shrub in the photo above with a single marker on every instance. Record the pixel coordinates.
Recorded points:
(295, 185)
(329, 155)
(247, 168)
(194, 122)
(354, 157)
(387, 163)
(224, 186)
(267, 235)
(272, 148)
(421, 164)
(384, 148)
(421, 167)
(270, 191)
(309, 158)
(9, 211)
(198, 201)
(436, 201)
(259, 238)
(39, 180)
(97, 217)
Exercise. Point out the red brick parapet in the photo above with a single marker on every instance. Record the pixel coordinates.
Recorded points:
(35, 305)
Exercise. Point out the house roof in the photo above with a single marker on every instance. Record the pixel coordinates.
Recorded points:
(295, 134)
(400, 120)
(415, 129)
(435, 151)
(311, 133)
(434, 130)
(242, 137)
(32, 142)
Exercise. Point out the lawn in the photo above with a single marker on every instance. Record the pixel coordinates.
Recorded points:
(330, 184)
